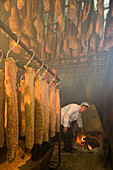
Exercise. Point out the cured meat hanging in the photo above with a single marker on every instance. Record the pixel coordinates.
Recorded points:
(100, 22)
(45, 104)
(7, 5)
(50, 32)
(29, 108)
(39, 23)
(20, 4)
(108, 38)
(79, 20)
(47, 5)
(60, 9)
(86, 10)
(39, 117)
(73, 11)
(35, 8)
(57, 103)
(22, 109)
(12, 108)
(2, 108)
(28, 27)
(90, 21)
(14, 19)
(52, 110)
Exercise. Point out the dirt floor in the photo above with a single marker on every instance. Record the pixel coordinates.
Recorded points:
(80, 160)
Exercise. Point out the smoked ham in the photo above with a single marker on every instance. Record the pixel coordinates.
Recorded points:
(100, 22)
(86, 9)
(73, 11)
(39, 23)
(47, 5)
(12, 108)
(79, 20)
(2, 108)
(59, 9)
(50, 31)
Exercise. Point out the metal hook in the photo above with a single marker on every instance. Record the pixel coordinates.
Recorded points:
(40, 67)
(52, 79)
(1, 56)
(15, 44)
(22, 76)
(57, 83)
(25, 66)
(43, 75)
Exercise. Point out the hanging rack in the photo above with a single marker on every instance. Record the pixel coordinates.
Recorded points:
(14, 37)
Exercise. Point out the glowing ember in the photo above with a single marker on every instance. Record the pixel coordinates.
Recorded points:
(80, 139)
(89, 147)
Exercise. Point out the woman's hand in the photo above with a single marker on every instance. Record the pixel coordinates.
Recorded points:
(65, 129)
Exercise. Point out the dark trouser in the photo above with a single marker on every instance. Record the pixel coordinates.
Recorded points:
(67, 137)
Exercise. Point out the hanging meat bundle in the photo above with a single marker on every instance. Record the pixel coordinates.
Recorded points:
(20, 4)
(73, 11)
(50, 31)
(12, 108)
(29, 108)
(39, 117)
(57, 103)
(100, 22)
(22, 109)
(2, 108)
(60, 9)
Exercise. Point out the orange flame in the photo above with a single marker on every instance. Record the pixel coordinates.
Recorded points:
(89, 147)
(80, 139)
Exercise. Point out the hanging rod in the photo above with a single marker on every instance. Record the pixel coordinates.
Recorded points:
(14, 37)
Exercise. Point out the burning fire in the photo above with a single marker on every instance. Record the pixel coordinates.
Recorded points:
(80, 138)
(89, 147)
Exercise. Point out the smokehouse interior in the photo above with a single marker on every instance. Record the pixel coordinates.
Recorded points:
(56, 84)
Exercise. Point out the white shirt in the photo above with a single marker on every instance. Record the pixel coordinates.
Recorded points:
(71, 113)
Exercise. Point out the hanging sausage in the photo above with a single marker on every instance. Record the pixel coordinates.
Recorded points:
(45, 104)
(79, 20)
(2, 107)
(12, 108)
(29, 108)
(22, 109)
(57, 103)
(39, 117)
(52, 108)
